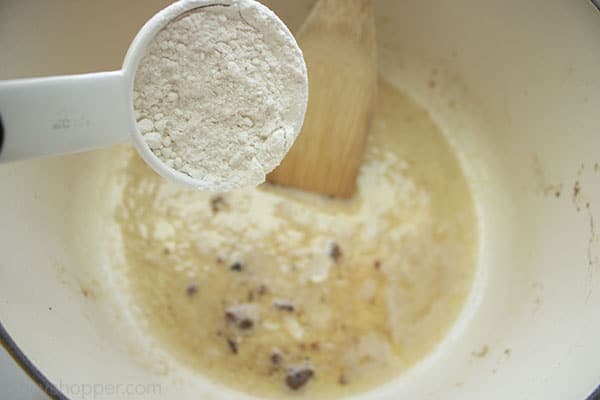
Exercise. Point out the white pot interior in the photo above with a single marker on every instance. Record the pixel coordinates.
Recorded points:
(513, 85)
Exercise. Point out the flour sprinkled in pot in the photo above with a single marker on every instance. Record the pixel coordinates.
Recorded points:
(220, 94)
(295, 293)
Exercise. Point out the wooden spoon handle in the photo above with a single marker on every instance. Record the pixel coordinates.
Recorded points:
(350, 18)
(338, 41)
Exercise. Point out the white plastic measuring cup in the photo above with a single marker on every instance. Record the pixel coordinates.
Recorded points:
(66, 114)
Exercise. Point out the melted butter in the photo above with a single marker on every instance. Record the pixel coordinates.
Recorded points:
(355, 291)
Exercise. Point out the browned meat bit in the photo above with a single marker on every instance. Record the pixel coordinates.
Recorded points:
(284, 305)
(230, 316)
(242, 323)
(576, 189)
(335, 252)
(236, 266)
(343, 380)
(192, 289)
(276, 359)
(377, 264)
(241, 316)
(315, 346)
(232, 345)
(220, 260)
(245, 324)
(262, 290)
(218, 203)
(297, 378)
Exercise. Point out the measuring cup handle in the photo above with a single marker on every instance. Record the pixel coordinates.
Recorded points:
(63, 114)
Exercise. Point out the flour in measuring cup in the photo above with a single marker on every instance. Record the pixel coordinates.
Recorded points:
(220, 94)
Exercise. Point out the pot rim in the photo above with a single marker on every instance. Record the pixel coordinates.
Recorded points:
(54, 393)
(28, 367)
(38, 377)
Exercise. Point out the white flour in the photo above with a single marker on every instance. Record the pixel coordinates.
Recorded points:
(220, 94)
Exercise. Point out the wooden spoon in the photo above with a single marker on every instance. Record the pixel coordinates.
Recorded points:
(338, 41)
